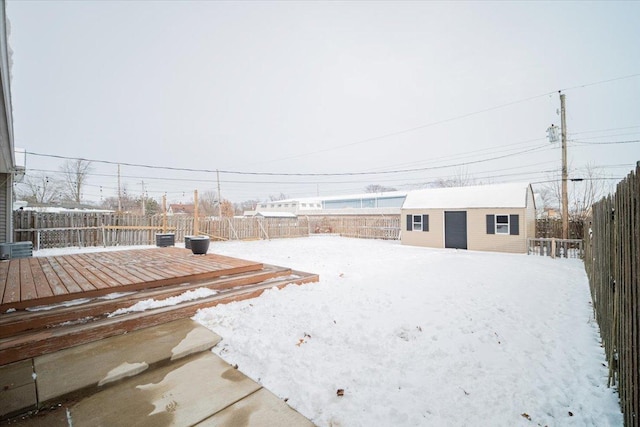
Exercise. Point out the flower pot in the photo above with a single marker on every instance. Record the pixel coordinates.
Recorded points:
(199, 245)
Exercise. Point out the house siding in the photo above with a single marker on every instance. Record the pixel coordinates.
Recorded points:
(433, 238)
(479, 240)
(5, 208)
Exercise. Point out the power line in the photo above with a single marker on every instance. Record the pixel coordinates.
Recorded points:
(604, 130)
(608, 142)
(292, 174)
(601, 82)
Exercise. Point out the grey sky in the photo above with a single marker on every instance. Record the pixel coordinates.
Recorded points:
(309, 87)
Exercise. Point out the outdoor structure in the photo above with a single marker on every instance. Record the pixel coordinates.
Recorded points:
(384, 203)
(7, 156)
(497, 217)
(272, 214)
(180, 209)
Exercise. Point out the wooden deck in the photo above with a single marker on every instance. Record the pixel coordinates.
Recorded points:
(131, 276)
(31, 282)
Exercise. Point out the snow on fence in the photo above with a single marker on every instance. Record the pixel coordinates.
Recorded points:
(612, 257)
(556, 248)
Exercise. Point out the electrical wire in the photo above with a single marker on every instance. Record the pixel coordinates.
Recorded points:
(290, 174)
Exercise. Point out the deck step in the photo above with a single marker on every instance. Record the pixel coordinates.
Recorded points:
(100, 363)
(164, 375)
(47, 317)
(88, 368)
(44, 341)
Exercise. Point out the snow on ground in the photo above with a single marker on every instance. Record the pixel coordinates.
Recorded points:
(420, 337)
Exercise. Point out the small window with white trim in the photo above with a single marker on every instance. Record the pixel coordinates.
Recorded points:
(417, 223)
(502, 224)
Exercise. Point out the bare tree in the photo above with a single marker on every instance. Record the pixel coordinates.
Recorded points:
(208, 203)
(227, 208)
(461, 178)
(125, 202)
(75, 174)
(280, 196)
(377, 188)
(587, 186)
(40, 188)
(247, 205)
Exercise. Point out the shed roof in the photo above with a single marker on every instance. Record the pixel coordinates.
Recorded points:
(511, 195)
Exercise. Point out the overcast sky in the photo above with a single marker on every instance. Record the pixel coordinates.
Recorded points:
(322, 87)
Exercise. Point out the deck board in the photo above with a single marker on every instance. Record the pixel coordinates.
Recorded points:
(116, 278)
(46, 280)
(43, 289)
(12, 291)
(27, 284)
(52, 277)
(4, 271)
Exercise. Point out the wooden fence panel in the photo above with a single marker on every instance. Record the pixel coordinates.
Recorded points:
(612, 256)
(552, 228)
(51, 230)
(366, 227)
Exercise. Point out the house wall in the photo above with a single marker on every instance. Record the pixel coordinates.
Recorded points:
(5, 208)
(477, 237)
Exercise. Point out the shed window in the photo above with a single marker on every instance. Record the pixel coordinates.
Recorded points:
(502, 224)
(417, 222)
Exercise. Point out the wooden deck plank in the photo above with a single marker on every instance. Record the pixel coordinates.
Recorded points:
(27, 285)
(82, 269)
(67, 281)
(55, 283)
(43, 289)
(126, 264)
(4, 271)
(176, 263)
(105, 269)
(95, 270)
(80, 280)
(12, 290)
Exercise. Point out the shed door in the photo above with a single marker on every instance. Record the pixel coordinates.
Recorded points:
(455, 230)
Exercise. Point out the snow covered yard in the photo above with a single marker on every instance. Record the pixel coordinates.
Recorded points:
(418, 336)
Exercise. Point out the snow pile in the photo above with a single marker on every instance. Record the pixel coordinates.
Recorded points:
(149, 304)
(417, 336)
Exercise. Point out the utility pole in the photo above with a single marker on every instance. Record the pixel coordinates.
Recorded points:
(565, 201)
(219, 196)
(143, 199)
(119, 193)
(196, 228)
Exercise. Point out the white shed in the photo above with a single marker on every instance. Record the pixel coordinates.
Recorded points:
(496, 217)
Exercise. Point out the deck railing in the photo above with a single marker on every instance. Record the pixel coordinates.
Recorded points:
(556, 248)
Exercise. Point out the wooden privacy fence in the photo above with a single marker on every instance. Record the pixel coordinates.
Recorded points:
(552, 227)
(612, 256)
(556, 248)
(53, 230)
(385, 227)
